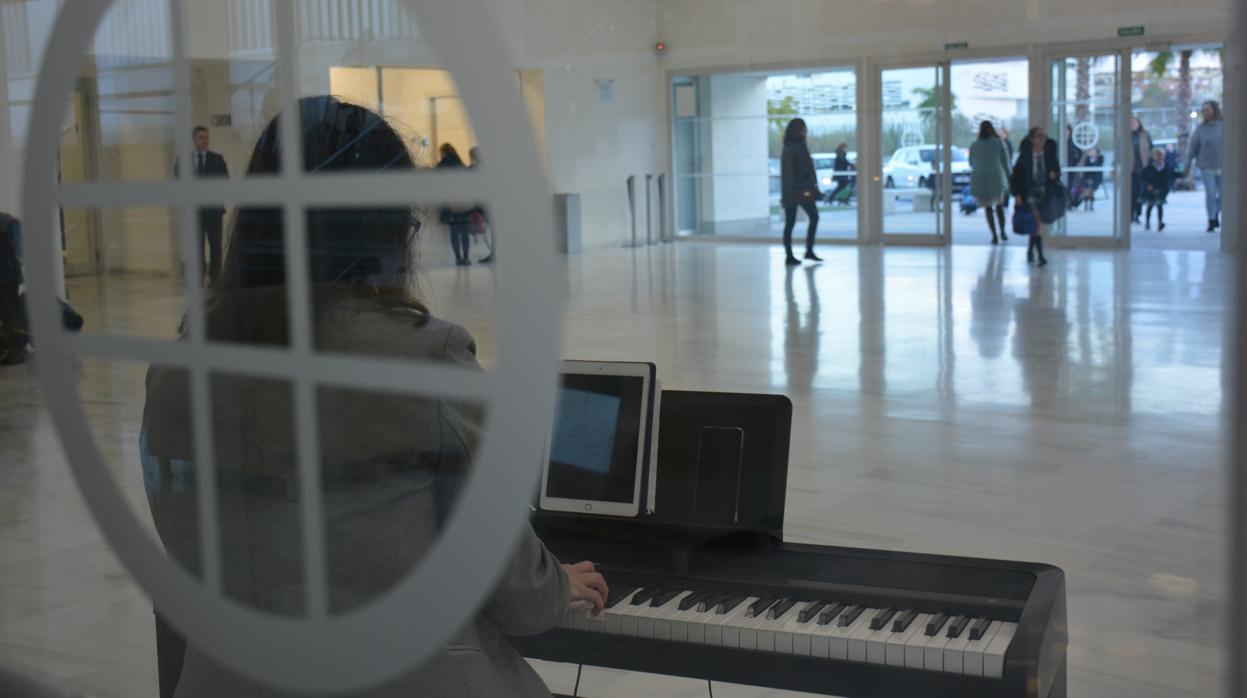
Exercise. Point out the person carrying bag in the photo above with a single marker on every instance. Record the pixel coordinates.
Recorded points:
(1036, 183)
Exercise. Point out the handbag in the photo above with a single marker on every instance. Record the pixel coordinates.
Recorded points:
(1055, 202)
(1024, 222)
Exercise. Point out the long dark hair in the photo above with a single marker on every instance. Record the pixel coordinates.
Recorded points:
(352, 252)
(796, 131)
(986, 130)
(1216, 109)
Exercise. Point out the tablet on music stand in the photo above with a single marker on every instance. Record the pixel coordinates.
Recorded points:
(601, 453)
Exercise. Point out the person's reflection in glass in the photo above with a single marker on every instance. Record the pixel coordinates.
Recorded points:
(392, 464)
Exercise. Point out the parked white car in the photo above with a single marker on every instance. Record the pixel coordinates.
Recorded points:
(912, 166)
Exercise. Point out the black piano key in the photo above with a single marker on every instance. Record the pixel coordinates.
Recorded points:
(692, 600)
(781, 608)
(881, 618)
(810, 611)
(665, 597)
(957, 625)
(903, 621)
(829, 614)
(934, 625)
(850, 614)
(759, 607)
(730, 604)
(712, 602)
(645, 595)
(618, 594)
(979, 627)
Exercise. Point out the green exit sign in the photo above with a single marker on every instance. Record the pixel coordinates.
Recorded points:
(958, 46)
(1130, 31)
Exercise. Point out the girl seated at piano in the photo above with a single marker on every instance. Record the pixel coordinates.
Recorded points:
(391, 465)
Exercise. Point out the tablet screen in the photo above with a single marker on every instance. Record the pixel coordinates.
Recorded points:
(596, 439)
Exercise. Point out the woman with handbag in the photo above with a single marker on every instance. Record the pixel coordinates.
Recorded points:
(798, 187)
(1038, 166)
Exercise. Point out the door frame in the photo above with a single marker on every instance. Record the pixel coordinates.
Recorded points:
(1123, 156)
(874, 136)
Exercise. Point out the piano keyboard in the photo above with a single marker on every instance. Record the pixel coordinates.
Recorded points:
(896, 637)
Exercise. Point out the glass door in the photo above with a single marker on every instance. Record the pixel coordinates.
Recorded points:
(916, 159)
(1085, 123)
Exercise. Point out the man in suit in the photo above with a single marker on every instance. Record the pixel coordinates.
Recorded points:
(211, 219)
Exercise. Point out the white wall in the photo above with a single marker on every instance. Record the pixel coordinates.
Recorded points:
(593, 146)
(722, 33)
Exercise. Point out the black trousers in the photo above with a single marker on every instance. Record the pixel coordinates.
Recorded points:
(790, 221)
(461, 240)
(12, 336)
(1136, 194)
(211, 224)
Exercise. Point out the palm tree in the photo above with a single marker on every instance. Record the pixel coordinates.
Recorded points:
(1160, 67)
(1082, 85)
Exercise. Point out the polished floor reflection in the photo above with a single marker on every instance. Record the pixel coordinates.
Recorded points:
(946, 401)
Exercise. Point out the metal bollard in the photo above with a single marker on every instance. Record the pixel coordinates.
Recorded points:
(649, 213)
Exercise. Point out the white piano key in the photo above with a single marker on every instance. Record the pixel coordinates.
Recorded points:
(645, 620)
(629, 616)
(679, 624)
(696, 625)
(896, 644)
(994, 655)
(857, 639)
(596, 624)
(876, 644)
(662, 619)
(749, 631)
(838, 641)
(915, 648)
(731, 629)
(781, 631)
(933, 652)
(803, 636)
(972, 660)
(612, 623)
(717, 627)
(954, 651)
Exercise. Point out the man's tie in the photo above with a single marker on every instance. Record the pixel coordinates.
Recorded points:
(199, 163)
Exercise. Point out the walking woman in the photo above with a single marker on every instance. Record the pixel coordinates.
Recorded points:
(989, 177)
(459, 221)
(1141, 142)
(798, 187)
(1038, 163)
(1205, 151)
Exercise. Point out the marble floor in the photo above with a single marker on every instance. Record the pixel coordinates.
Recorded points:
(951, 401)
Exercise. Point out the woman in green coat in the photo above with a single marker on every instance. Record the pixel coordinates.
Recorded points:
(989, 177)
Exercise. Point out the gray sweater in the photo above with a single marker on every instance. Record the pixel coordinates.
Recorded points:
(1205, 149)
(392, 465)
